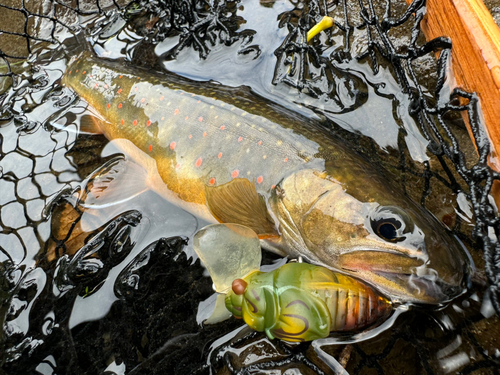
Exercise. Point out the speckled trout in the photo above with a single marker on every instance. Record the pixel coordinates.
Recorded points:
(225, 154)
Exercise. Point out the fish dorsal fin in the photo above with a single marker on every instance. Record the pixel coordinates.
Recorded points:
(228, 251)
(238, 202)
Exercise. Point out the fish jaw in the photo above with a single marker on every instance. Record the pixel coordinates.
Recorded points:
(319, 220)
(405, 278)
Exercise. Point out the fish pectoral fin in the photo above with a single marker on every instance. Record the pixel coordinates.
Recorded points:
(90, 125)
(117, 181)
(238, 202)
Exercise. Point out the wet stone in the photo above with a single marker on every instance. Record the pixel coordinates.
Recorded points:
(166, 336)
(47, 365)
(24, 296)
(91, 264)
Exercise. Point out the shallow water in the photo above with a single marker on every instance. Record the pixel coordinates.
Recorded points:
(115, 289)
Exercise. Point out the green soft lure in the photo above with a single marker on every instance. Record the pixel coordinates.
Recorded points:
(296, 302)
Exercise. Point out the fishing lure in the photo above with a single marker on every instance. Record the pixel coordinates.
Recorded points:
(295, 302)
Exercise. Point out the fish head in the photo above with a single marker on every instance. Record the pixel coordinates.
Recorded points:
(379, 236)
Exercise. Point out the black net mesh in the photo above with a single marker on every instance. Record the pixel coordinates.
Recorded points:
(44, 167)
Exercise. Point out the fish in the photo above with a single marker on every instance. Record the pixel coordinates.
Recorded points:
(228, 156)
(296, 302)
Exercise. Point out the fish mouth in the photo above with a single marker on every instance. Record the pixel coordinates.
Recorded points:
(401, 277)
(379, 261)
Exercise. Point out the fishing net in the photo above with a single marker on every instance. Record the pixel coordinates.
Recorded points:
(44, 169)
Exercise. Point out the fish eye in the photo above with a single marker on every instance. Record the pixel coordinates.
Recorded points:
(390, 223)
(387, 229)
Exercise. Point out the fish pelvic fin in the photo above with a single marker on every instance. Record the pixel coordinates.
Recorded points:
(238, 202)
(91, 125)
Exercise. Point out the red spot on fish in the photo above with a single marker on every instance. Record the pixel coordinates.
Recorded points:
(286, 159)
(162, 97)
(163, 118)
(135, 122)
(220, 155)
(70, 71)
(260, 179)
(137, 88)
(190, 136)
(150, 148)
(122, 121)
(106, 86)
(260, 142)
(172, 145)
(96, 85)
(77, 70)
(272, 187)
(143, 100)
(199, 101)
(148, 123)
(200, 119)
(240, 139)
(120, 105)
(177, 166)
(91, 76)
(212, 181)
(204, 134)
(198, 162)
(109, 105)
(222, 127)
(84, 72)
(119, 91)
(120, 76)
(235, 173)
(176, 112)
(186, 117)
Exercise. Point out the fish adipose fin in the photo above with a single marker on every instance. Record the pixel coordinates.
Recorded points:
(228, 251)
(238, 202)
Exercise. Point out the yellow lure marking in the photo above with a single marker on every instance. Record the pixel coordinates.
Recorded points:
(324, 24)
